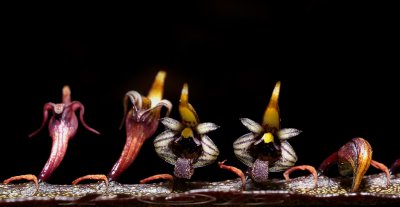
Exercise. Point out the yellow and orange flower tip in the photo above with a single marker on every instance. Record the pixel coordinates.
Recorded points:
(156, 92)
(188, 114)
(271, 115)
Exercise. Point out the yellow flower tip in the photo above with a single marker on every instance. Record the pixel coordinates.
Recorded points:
(268, 137)
(187, 132)
(66, 94)
(161, 76)
(271, 115)
(188, 114)
(185, 94)
(275, 93)
(156, 91)
(66, 90)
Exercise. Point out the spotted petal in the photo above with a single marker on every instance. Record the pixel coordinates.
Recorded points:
(287, 160)
(204, 128)
(161, 144)
(241, 148)
(209, 154)
(252, 125)
(288, 133)
(172, 124)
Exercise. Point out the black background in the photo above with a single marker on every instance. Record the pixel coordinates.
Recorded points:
(337, 62)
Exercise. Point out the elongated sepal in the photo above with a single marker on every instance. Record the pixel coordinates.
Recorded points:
(66, 94)
(271, 115)
(150, 113)
(46, 108)
(156, 92)
(186, 110)
(136, 100)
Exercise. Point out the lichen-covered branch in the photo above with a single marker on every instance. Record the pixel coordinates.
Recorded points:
(298, 191)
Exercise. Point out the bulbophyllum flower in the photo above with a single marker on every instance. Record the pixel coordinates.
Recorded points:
(141, 122)
(266, 149)
(185, 144)
(62, 126)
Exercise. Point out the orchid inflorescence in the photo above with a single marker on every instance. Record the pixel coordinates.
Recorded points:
(186, 145)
